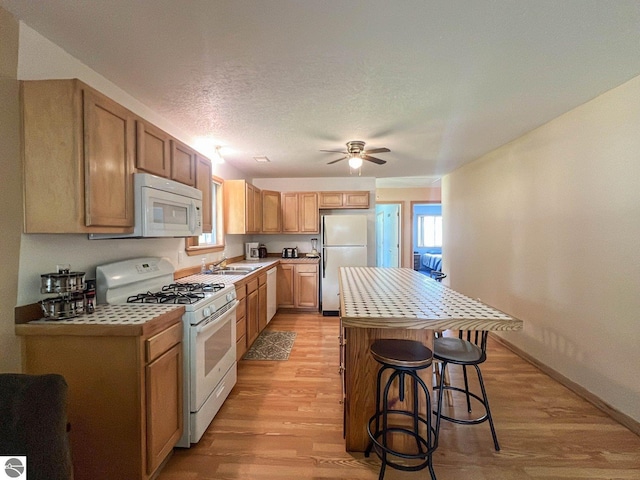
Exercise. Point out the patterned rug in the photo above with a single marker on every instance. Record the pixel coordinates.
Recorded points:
(271, 345)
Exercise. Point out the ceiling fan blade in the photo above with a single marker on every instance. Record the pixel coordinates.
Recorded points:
(334, 151)
(374, 159)
(336, 161)
(377, 150)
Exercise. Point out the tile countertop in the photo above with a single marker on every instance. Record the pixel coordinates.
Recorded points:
(263, 265)
(128, 319)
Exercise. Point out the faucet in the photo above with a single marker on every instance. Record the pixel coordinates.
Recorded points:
(219, 264)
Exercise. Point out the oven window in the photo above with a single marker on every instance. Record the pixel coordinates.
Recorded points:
(216, 346)
(164, 214)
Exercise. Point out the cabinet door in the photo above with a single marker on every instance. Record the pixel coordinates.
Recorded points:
(284, 285)
(241, 321)
(257, 210)
(271, 213)
(235, 206)
(330, 199)
(252, 317)
(309, 212)
(203, 183)
(183, 163)
(262, 306)
(290, 217)
(306, 286)
(108, 161)
(356, 199)
(153, 149)
(164, 406)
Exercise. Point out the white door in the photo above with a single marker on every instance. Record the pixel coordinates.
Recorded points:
(344, 230)
(388, 235)
(332, 259)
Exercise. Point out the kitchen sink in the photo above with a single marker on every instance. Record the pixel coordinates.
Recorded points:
(231, 272)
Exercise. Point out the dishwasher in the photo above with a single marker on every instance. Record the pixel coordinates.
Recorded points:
(271, 294)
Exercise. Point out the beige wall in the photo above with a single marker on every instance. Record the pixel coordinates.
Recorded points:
(10, 191)
(547, 228)
(407, 196)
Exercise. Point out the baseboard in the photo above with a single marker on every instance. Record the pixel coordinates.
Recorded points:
(614, 413)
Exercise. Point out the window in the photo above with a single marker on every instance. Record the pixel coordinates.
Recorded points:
(429, 231)
(214, 241)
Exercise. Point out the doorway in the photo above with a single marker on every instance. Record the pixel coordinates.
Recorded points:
(426, 233)
(388, 237)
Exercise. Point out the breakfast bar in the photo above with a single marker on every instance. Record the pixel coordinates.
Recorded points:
(396, 303)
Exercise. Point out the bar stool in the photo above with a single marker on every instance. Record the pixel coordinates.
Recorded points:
(404, 358)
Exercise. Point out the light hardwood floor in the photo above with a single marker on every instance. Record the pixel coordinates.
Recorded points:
(283, 420)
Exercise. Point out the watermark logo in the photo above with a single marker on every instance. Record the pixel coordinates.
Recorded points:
(13, 467)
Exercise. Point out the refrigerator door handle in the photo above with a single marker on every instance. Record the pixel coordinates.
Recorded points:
(323, 231)
(324, 263)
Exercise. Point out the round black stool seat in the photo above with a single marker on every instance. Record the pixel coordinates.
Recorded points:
(403, 358)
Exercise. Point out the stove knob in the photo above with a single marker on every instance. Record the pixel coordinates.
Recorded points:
(206, 311)
(229, 297)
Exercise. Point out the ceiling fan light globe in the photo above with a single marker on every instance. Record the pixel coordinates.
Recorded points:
(355, 162)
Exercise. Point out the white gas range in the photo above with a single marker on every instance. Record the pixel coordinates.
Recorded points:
(209, 330)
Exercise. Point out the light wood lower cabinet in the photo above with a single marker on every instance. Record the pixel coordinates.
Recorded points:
(125, 393)
(297, 286)
(253, 327)
(78, 155)
(241, 320)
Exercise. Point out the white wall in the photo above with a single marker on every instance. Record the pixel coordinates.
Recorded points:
(547, 229)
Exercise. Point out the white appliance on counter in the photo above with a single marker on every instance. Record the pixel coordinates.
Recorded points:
(344, 244)
(162, 208)
(252, 251)
(209, 326)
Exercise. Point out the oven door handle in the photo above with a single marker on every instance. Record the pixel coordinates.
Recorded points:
(217, 321)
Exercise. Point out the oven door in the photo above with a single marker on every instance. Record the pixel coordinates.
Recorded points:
(212, 353)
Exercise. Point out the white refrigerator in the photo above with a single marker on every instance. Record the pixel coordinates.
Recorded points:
(344, 244)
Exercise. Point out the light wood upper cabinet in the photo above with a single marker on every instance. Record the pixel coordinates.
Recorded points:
(78, 156)
(203, 183)
(242, 207)
(255, 204)
(108, 156)
(153, 149)
(300, 212)
(183, 163)
(271, 212)
(355, 199)
(309, 220)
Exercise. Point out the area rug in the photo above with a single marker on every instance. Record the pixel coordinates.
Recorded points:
(271, 345)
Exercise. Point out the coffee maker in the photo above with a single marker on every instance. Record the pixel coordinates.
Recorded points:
(251, 251)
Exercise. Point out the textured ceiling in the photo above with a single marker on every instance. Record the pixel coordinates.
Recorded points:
(438, 82)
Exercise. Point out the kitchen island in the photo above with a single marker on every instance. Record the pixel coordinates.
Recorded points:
(378, 303)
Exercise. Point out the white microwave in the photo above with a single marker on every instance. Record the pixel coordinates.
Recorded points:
(163, 208)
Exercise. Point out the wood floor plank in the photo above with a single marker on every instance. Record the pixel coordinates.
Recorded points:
(283, 421)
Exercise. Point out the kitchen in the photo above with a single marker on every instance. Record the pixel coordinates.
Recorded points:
(534, 272)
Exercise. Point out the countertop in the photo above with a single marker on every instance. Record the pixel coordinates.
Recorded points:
(126, 320)
(401, 298)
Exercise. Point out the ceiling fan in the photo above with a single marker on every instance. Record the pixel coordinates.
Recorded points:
(356, 154)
